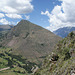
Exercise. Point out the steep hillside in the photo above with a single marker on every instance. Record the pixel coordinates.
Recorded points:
(62, 60)
(30, 40)
(65, 31)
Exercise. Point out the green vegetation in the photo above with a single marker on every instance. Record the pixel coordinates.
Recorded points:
(18, 64)
(62, 60)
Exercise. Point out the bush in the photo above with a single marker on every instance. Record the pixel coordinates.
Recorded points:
(37, 73)
(67, 56)
(65, 50)
(55, 57)
(0, 45)
(71, 34)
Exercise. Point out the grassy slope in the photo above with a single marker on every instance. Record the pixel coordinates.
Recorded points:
(65, 65)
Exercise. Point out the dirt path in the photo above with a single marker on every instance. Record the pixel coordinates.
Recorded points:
(35, 70)
(5, 69)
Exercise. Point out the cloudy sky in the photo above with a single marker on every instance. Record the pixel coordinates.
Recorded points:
(50, 14)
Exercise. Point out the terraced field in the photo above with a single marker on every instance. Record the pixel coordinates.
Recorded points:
(14, 64)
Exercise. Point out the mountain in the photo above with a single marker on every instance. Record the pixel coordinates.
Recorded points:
(62, 60)
(63, 32)
(4, 29)
(30, 40)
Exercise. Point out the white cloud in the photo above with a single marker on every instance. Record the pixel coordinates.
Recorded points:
(61, 16)
(27, 17)
(4, 21)
(13, 23)
(14, 16)
(46, 13)
(16, 6)
(1, 15)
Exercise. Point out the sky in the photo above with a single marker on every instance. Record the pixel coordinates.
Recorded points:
(50, 14)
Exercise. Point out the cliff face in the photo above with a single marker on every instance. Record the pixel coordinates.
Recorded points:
(62, 60)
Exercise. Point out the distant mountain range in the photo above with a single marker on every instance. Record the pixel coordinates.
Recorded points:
(4, 29)
(63, 32)
(30, 40)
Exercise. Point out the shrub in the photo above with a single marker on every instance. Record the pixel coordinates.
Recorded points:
(55, 57)
(71, 34)
(67, 56)
(65, 50)
(37, 73)
(0, 45)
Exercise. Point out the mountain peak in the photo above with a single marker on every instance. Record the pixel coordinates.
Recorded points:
(23, 21)
(31, 40)
(25, 24)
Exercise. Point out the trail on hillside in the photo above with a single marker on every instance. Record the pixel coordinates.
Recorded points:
(5, 69)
